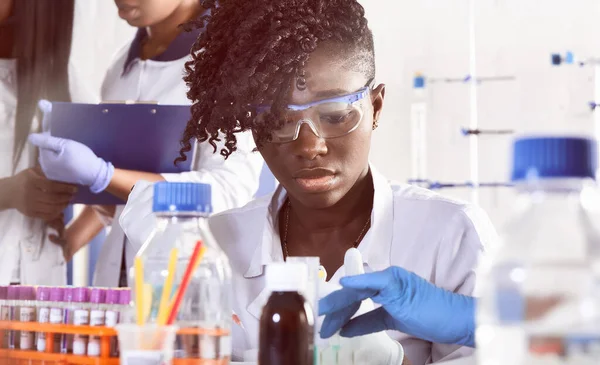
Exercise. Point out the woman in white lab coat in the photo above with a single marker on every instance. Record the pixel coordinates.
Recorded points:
(300, 77)
(37, 60)
(150, 68)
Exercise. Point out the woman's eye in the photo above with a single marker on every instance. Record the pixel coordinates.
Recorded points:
(337, 118)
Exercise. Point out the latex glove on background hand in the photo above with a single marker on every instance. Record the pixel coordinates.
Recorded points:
(409, 304)
(374, 348)
(72, 162)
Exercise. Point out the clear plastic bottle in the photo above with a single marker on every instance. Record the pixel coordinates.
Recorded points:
(181, 211)
(539, 288)
(97, 318)
(42, 296)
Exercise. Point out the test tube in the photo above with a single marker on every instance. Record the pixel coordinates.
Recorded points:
(112, 316)
(12, 297)
(97, 318)
(3, 311)
(42, 296)
(57, 314)
(26, 314)
(81, 317)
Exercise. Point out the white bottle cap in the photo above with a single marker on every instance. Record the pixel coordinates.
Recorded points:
(289, 276)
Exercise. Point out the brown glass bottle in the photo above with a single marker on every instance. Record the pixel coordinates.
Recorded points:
(287, 322)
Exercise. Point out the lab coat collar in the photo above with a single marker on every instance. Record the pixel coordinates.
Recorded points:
(180, 47)
(375, 246)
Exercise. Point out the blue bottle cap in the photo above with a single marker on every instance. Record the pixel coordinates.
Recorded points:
(554, 157)
(419, 82)
(182, 197)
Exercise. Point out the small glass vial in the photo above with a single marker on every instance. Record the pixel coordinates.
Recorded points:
(57, 314)
(12, 297)
(286, 334)
(125, 308)
(27, 314)
(81, 317)
(97, 318)
(3, 311)
(66, 341)
(111, 317)
(42, 296)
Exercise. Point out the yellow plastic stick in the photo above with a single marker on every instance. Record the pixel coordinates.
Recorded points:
(163, 310)
(139, 290)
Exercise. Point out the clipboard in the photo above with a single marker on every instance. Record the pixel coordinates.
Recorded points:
(141, 136)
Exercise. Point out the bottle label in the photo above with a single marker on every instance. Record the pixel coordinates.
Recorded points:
(97, 318)
(26, 314)
(112, 318)
(4, 313)
(56, 316)
(143, 358)
(80, 317)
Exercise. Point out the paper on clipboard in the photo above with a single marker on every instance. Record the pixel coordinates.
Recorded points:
(142, 136)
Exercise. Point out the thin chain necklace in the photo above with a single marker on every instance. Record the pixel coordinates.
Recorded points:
(288, 205)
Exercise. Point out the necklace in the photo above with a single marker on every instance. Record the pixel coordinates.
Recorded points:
(287, 224)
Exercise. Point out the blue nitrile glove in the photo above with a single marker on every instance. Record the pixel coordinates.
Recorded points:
(409, 304)
(72, 162)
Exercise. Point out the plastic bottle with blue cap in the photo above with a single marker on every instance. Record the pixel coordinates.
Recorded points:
(538, 289)
(182, 211)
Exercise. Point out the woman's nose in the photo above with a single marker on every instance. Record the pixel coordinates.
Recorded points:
(308, 145)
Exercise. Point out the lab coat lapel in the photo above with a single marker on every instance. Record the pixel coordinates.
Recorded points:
(376, 251)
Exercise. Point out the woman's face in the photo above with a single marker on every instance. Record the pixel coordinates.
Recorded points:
(144, 13)
(5, 9)
(315, 171)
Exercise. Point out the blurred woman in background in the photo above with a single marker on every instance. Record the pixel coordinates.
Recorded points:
(38, 61)
(35, 44)
(149, 69)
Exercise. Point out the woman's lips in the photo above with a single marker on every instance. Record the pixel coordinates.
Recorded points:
(316, 184)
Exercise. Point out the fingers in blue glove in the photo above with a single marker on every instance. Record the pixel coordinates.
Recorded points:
(335, 321)
(371, 322)
(338, 307)
(46, 141)
(341, 299)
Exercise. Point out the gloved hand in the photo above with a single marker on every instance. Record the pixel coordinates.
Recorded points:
(409, 304)
(72, 162)
(137, 219)
(375, 348)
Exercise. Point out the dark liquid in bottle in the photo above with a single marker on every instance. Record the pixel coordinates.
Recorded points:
(286, 331)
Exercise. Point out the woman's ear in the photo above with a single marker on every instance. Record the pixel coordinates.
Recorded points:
(377, 96)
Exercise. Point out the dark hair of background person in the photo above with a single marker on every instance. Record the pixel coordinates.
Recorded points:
(250, 54)
(42, 45)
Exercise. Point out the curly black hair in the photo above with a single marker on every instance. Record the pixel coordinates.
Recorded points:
(250, 53)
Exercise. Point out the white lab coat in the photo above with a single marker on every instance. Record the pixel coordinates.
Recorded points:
(23, 241)
(437, 238)
(234, 181)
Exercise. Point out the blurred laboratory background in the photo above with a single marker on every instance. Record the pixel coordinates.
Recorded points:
(508, 46)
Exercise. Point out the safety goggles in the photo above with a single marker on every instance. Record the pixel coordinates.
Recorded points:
(327, 118)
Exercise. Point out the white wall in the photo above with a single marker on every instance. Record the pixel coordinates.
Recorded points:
(513, 37)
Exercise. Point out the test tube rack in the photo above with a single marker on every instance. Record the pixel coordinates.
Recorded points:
(105, 334)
